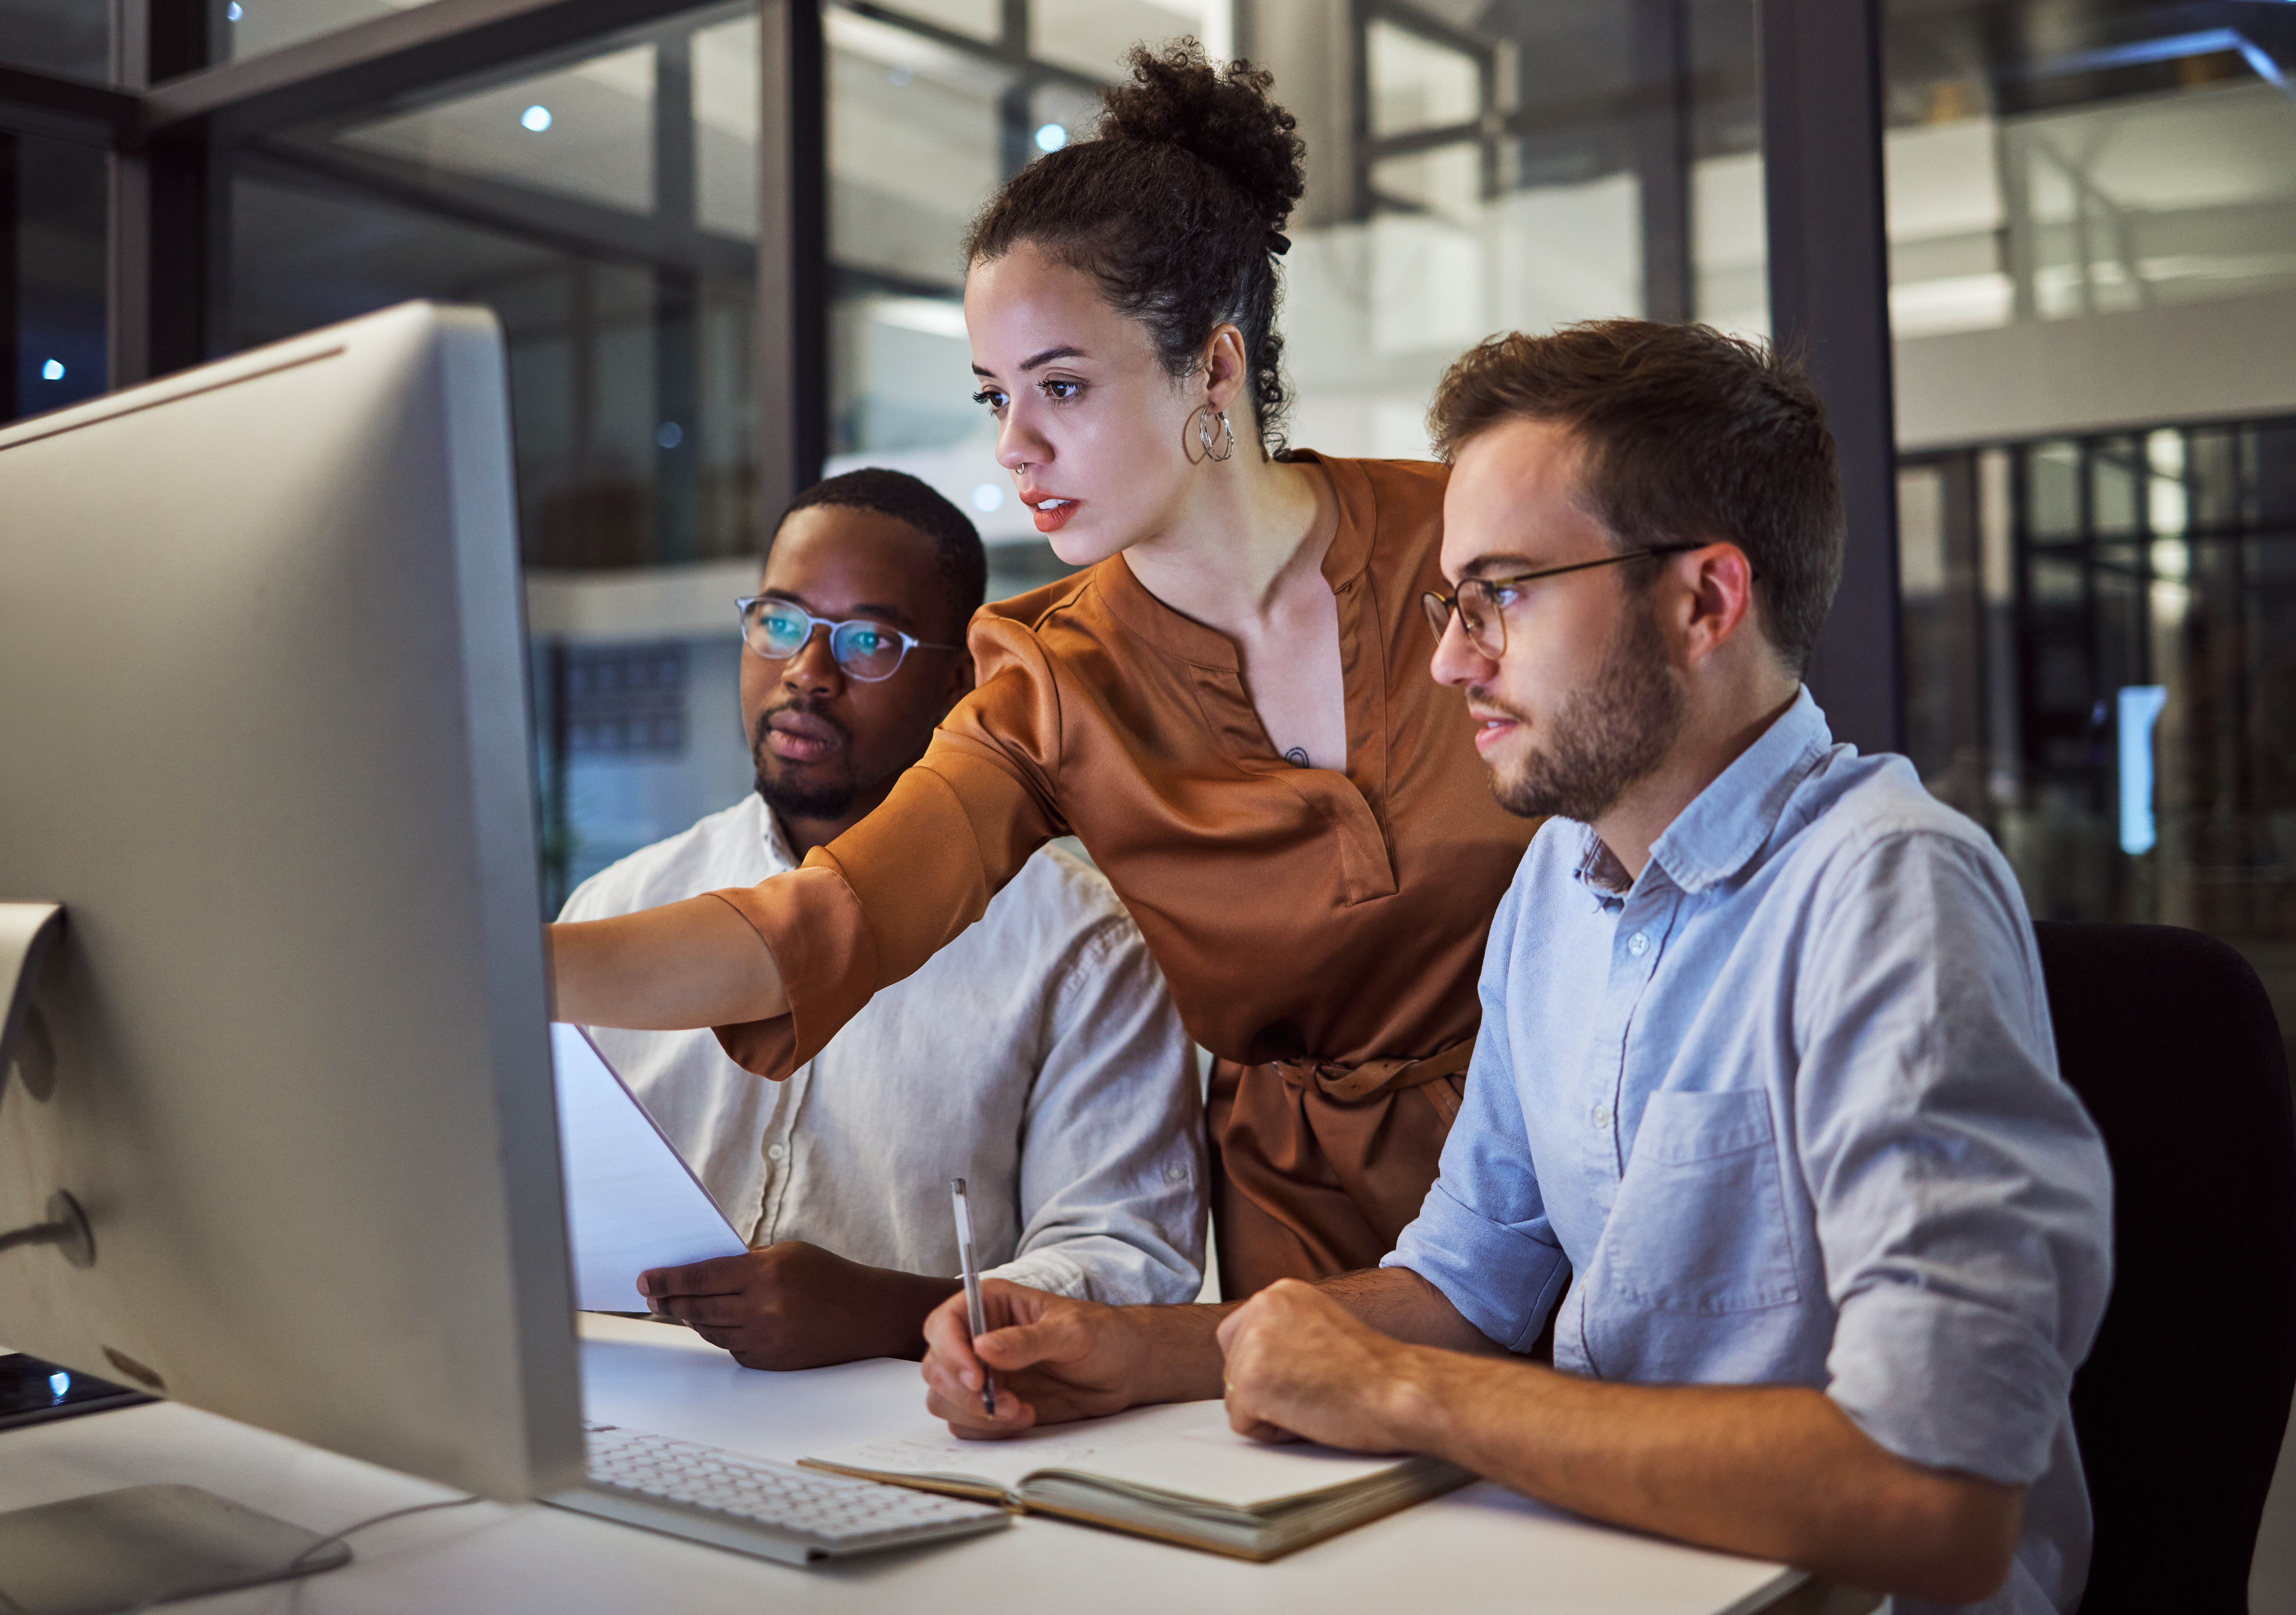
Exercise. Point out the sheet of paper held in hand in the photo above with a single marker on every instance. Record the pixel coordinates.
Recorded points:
(631, 1202)
(1176, 1473)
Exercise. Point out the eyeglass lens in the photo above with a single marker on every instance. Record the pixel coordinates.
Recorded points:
(1479, 618)
(867, 651)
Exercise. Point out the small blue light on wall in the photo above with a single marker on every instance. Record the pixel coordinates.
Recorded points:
(535, 117)
(232, 12)
(987, 498)
(1050, 138)
(2140, 709)
(53, 371)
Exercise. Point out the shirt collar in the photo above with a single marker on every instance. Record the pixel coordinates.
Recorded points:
(778, 856)
(1731, 820)
(1128, 599)
(1350, 550)
(1599, 869)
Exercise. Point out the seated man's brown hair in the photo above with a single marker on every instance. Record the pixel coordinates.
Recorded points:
(1690, 436)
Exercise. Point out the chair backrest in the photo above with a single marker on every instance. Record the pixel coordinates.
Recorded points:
(2169, 1039)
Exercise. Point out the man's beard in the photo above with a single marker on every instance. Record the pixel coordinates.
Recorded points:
(830, 799)
(1605, 737)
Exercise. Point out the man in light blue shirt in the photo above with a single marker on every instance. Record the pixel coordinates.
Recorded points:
(1764, 1115)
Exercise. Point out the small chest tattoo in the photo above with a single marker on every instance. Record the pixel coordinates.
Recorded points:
(1296, 756)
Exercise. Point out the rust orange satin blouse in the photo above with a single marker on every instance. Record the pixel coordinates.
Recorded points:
(1321, 932)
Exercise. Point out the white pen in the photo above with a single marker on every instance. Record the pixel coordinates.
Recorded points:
(976, 1317)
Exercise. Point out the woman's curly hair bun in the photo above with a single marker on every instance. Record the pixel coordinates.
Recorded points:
(1176, 205)
(1176, 97)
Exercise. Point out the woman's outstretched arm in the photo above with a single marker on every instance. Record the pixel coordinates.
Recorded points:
(686, 964)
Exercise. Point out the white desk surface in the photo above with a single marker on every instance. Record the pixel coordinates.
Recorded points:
(1480, 1548)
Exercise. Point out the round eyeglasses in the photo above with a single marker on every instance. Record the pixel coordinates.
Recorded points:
(1481, 603)
(778, 629)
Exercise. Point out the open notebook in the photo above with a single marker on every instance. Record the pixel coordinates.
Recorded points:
(1175, 1472)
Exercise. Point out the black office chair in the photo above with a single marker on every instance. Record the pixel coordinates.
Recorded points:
(2169, 1039)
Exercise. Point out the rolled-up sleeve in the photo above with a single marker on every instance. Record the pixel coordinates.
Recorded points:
(1113, 1197)
(872, 907)
(1482, 1236)
(1962, 1195)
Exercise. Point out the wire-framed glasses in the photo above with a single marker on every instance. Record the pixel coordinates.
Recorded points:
(1481, 603)
(867, 651)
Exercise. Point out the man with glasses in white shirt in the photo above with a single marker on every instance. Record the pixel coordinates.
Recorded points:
(1039, 1055)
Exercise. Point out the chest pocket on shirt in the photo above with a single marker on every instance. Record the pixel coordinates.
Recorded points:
(1700, 1222)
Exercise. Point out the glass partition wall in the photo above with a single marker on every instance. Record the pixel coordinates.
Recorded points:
(1471, 166)
(604, 205)
(52, 274)
(723, 239)
(2093, 245)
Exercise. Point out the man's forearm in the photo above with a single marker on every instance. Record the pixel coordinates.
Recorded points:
(684, 965)
(1779, 1472)
(1176, 1354)
(1174, 1351)
(1397, 1302)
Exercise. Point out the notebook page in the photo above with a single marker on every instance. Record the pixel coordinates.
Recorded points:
(1185, 1448)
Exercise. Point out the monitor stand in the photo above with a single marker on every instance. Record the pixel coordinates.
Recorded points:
(27, 932)
(145, 1544)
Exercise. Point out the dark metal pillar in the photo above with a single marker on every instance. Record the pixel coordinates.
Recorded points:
(1662, 146)
(677, 330)
(793, 256)
(1359, 124)
(1829, 301)
(12, 315)
(164, 248)
(1014, 136)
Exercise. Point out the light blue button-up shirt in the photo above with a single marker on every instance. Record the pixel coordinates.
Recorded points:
(1787, 1106)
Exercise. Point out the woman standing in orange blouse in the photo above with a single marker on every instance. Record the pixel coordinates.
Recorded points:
(1229, 706)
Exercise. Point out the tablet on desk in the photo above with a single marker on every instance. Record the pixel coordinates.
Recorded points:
(631, 1200)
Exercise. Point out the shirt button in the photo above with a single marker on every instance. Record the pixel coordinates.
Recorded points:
(774, 1151)
(1176, 1174)
(1601, 1115)
(1638, 944)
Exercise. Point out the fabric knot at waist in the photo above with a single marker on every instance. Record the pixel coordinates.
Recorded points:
(1346, 1083)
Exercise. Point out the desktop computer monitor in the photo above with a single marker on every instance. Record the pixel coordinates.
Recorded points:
(263, 735)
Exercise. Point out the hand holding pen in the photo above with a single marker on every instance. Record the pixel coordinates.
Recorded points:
(976, 1316)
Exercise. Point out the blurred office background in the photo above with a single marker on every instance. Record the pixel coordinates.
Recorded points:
(2088, 622)
(2084, 631)
(723, 241)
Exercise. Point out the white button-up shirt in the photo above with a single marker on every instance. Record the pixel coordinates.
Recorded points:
(1038, 1056)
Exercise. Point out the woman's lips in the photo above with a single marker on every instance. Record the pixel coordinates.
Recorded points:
(1050, 515)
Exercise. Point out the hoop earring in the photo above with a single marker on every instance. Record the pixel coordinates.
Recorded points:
(1204, 436)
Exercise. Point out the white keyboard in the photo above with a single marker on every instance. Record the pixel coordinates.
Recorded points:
(772, 1511)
